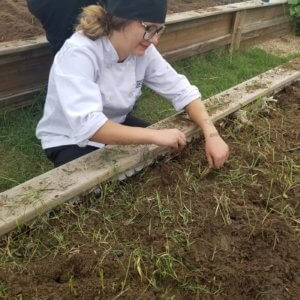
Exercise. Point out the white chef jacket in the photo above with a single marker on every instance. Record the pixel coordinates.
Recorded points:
(87, 86)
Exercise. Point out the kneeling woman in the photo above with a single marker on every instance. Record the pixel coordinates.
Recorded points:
(97, 77)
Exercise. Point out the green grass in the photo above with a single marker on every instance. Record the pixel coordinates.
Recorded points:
(212, 74)
(22, 158)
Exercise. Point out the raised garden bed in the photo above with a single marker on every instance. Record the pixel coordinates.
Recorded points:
(179, 230)
(24, 65)
(16, 22)
(29, 200)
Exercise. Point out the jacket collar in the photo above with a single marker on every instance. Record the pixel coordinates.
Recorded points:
(110, 52)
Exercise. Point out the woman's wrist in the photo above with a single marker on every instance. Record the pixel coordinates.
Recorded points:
(212, 135)
(209, 129)
(150, 136)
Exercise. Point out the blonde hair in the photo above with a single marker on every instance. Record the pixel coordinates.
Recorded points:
(95, 22)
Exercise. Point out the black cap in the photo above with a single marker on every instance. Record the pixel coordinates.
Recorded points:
(153, 11)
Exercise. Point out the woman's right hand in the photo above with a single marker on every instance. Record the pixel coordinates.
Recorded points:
(169, 137)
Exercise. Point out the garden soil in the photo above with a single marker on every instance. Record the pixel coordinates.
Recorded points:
(237, 238)
(16, 22)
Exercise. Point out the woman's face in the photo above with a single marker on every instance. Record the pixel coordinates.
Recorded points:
(134, 37)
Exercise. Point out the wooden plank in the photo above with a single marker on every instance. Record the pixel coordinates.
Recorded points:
(18, 46)
(265, 13)
(179, 39)
(197, 48)
(200, 23)
(266, 24)
(237, 30)
(21, 99)
(43, 193)
(251, 38)
(217, 10)
(23, 56)
(24, 74)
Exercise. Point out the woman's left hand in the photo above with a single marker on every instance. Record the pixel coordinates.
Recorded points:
(217, 151)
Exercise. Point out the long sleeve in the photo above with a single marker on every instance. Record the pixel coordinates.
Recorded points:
(163, 79)
(73, 88)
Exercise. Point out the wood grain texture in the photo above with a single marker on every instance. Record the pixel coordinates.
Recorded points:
(238, 28)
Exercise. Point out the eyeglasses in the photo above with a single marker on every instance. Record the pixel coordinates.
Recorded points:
(152, 30)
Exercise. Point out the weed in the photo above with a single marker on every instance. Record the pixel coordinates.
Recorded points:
(223, 207)
(166, 216)
(71, 285)
(3, 291)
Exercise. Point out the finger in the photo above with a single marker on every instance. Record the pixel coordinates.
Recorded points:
(183, 136)
(220, 162)
(175, 145)
(183, 140)
(181, 143)
(210, 161)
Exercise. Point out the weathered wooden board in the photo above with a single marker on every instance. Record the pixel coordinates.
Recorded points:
(197, 48)
(20, 46)
(217, 10)
(265, 13)
(21, 99)
(23, 73)
(12, 74)
(251, 38)
(237, 31)
(43, 193)
(266, 24)
(188, 36)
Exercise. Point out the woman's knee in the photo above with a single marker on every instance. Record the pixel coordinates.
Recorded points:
(63, 154)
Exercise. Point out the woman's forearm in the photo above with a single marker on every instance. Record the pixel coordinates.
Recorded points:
(112, 133)
(198, 113)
